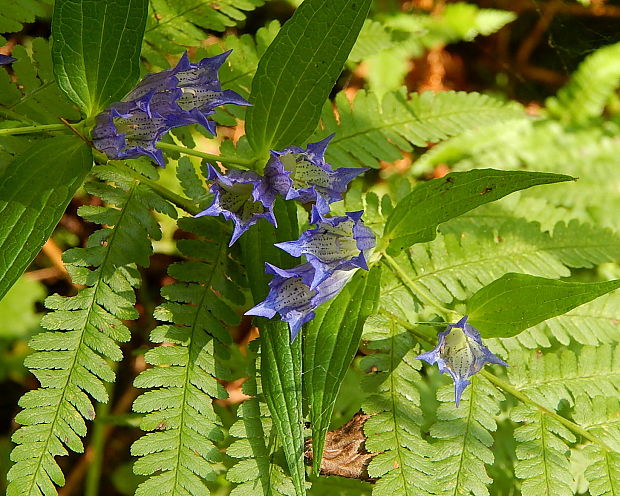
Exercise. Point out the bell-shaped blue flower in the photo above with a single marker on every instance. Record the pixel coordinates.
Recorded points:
(201, 87)
(291, 297)
(125, 131)
(192, 86)
(185, 94)
(5, 59)
(240, 196)
(337, 243)
(460, 352)
(303, 175)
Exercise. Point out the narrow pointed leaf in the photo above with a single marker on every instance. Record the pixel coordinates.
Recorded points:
(416, 217)
(330, 343)
(281, 378)
(257, 245)
(34, 191)
(299, 69)
(96, 49)
(516, 302)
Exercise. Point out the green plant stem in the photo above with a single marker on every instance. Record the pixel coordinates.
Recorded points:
(510, 389)
(43, 128)
(172, 197)
(418, 290)
(239, 162)
(97, 445)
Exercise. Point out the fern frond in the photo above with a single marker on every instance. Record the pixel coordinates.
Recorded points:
(464, 437)
(403, 464)
(16, 14)
(475, 250)
(368, 131)
(239, 70)
(70, 361)
(373, 38)
(600, 415)
(181, 446)
(32, 95)
(589, 153)
(256, 473)
(593, 323)
(550, 377)
(542, 454)
(465, 21)
(590, 87)
(603, 474)
(174, 25)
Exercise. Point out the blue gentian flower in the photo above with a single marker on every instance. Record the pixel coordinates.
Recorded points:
(125, 131)
(303, 175)
(291, 297)
(337, 243)
(5, 59)
(185, 94)
(240, 196)
(460, 352)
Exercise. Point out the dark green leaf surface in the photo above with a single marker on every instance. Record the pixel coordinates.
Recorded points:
(299, 69)
(281, 378)
(34, 192)
(257, 247)
(96, 49)
(516, 302)
(416, 217)
(330, 343)
(280, 359)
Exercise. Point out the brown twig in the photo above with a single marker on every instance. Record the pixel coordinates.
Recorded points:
(533, 39)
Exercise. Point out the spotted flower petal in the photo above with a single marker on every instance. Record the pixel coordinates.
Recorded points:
(460, 352)
(185, 94)
(126, 130)
(337, 243)
(291, 297)
(5, 59)
(240, 196)
(201, 88)
(303, 175)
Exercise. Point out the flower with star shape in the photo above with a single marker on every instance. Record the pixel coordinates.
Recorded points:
(461, 354)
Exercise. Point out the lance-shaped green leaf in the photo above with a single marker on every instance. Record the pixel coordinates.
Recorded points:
(96, 49)
(281, 379)
(416, 217)
(257, 246)
(330, 343)
(280, 359)
(299, 69)
(516, 302)
(34, 191)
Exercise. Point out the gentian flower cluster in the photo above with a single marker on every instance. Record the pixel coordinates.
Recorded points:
(460, 352)
(185, 94)
(334, 249)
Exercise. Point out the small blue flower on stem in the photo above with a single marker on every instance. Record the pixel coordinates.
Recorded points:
(5, 59)
(337, 243)
(460, 352)
(291, 297)
(303, 175)
(240, 196)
